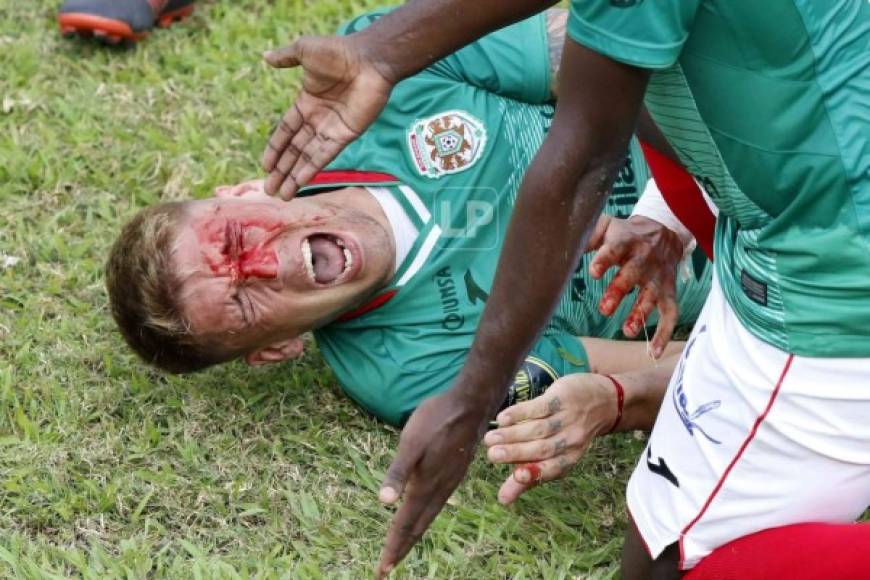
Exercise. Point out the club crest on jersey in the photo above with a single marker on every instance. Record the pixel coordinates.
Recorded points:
(446, 143)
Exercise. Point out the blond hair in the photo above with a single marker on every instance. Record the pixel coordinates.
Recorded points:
(143, 292)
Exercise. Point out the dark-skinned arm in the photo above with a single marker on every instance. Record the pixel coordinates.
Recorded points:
(648, 131)
(421, 32)
(347, 80)
(559, 200)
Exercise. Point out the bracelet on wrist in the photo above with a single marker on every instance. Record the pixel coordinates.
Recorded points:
(620, 403)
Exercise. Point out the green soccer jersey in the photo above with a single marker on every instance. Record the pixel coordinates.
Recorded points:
(769, 104)
(451, 148)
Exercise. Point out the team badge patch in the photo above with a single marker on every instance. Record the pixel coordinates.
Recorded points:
(446, 143)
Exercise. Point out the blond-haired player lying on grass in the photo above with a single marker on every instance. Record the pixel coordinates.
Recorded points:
(244, 275)
(389, 256)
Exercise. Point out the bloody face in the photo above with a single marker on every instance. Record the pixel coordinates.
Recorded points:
(239, 259)
(257, 270)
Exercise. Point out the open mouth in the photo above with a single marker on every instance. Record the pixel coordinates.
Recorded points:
(326, 258)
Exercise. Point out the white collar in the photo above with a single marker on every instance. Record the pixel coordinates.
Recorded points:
(404, 231)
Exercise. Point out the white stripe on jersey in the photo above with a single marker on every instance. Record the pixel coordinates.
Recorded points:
(422, 255)
(416, 203)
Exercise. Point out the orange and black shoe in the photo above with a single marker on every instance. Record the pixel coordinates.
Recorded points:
(116, 21)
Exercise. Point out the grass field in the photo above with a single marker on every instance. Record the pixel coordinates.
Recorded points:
(108, 470)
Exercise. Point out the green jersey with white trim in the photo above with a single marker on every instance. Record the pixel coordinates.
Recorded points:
(769, 104)
(456, 140)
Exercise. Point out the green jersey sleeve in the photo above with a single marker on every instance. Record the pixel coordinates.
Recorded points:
(512, 62)
(643, 33)
(390, 371)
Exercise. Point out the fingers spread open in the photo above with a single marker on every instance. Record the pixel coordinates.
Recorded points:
(304, 157)
(611, 299)
(632, 274)
(318, 154)
(300, 148)
(646, 301)
(290, 124)
(280, 175)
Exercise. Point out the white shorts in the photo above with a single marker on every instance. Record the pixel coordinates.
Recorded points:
(750, 437)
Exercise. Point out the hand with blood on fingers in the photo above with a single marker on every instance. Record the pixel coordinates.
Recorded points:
(435, 449)
(648, 255)
(343, 92)
(547, 436)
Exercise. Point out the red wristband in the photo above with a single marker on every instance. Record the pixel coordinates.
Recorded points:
(620, 403)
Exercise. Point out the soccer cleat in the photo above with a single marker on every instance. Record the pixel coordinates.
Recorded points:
(116, 21)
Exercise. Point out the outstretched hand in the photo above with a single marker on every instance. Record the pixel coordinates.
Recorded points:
(547, 436)
(648, 255)
(342, 93)
(435, 449)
